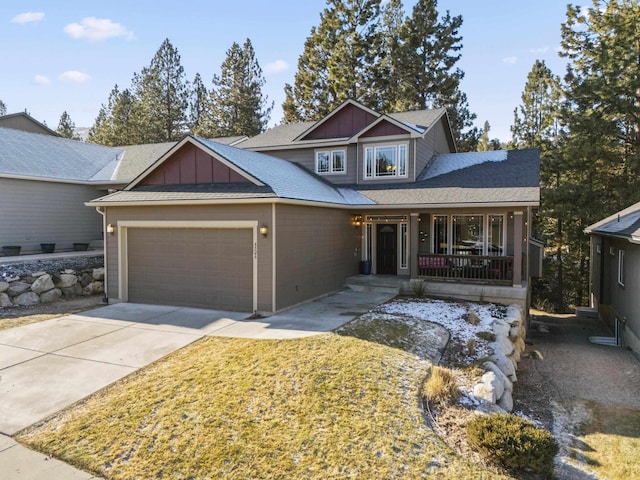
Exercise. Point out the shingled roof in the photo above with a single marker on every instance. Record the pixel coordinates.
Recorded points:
(623, 224)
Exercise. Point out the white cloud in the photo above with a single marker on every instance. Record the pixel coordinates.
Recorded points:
(41, 80)
(538, 51)
(276, 67)
(28, 17)
(96, 29)
(74, 76)
(510, 60)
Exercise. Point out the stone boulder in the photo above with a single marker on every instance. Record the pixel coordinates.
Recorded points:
(506, 401)
(5, 301)
(492, 367)
(17, 288)
(27, 299)
(93, 288)
(484, 392)
(51, 296)
(505, 364)
(98, 274)
(42, 284)
(66, 280)
(4, 286)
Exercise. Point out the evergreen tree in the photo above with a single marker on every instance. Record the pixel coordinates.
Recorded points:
(162, 91)
(119, 121)
(198, 102)
(3, 108)
(603, 119)
(236, 103)
(335, 63)
(67, 128)
(484, 142)
(537, 124)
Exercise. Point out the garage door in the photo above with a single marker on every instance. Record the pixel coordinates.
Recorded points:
(195, 267)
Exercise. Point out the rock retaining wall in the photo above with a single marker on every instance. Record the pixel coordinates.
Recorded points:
(496, 385)
(42, 287)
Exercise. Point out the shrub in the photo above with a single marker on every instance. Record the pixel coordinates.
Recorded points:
(418, 287)
(488, 336)
(471, 346)
(441, 387)
(515, 443)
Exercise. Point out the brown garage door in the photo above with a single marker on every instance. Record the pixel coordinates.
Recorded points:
(195, 267)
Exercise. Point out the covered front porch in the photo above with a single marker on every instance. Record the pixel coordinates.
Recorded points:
(480, 246)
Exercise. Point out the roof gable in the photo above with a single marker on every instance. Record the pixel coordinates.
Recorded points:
(625, 224)
(25, 122)
(344, 122)
(189, 165)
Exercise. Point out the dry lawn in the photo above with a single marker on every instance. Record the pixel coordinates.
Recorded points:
(18, 316)
(610, 441)
(321, 407)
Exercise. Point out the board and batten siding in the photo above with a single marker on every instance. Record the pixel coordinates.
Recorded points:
(35, 212)
(317, 249)
(260, 213)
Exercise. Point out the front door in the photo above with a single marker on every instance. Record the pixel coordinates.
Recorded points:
(387, 249)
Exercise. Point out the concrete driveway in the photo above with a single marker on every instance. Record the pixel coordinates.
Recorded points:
(47, 366)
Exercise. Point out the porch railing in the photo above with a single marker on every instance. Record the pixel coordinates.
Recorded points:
(496, 270)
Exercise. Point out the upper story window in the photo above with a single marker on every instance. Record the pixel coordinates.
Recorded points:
(331, 161)
(385, 161)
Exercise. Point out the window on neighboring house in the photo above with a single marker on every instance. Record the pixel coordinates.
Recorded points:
(331, 161)
(621, 267)
(385, 161)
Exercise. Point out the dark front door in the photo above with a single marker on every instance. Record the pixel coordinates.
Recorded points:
(387, 248)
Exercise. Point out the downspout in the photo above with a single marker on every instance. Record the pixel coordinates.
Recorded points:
(105, 299)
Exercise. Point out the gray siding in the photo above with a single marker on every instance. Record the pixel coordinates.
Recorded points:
(20, 122)
(259, 213)
(317, 248)
(35, 212)
(612, 299)
(306, 158)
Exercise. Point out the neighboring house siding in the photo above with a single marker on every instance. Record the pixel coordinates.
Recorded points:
(35, 212)
(615, 300)
(25, 124)
(259, 213)
(317, 248)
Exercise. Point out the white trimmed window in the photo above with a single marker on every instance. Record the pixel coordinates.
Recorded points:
(385, 161)
(331, 161)
(621, 268)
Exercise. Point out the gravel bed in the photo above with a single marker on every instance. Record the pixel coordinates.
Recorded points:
(54, 266)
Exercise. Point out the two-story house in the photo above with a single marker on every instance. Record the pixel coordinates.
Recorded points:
(294, 211)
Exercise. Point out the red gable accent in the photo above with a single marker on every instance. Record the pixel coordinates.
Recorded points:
(383, 129)
(344, 123)
(190, 165)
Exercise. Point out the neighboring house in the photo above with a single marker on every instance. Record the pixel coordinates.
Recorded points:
(45, 180)
(215, 226)
(25, 122)
(615, 274)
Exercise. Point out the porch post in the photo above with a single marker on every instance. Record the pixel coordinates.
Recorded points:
(414, 232)
(517, 248)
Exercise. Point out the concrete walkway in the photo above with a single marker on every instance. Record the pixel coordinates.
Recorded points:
(47, 366)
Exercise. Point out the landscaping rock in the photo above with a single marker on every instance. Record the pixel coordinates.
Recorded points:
(504, 344)
(51, 296)
(489, 408)
(93, 288)
(68, 271)
(4, 286)
(98, 274)
(500, 328)
(27, 299)
(484, 392)
(515, 332)
(492, 367)
(72, 291)
(492, 380)
(5, 301)
(505, 364)
(42, 284)
(11, 279)
(66, 280)
(506, 401)
(17, 288)
(85, 279)
(38, 274)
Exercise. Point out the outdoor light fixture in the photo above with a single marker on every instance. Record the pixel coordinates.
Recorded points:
(357, 220)
(111, 228)
(264, 230)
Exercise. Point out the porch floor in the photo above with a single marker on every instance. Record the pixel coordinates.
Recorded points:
(396, 282)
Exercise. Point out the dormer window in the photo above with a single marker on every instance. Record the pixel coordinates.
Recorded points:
(385, 161)
(331, 162)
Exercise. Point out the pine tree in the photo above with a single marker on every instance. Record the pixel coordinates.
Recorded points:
(162, 91)
(603, 121)
(484, 142)
(387, 79)
(67, 128)
(198, 102)
(335, 63)
(537, 124)
(3, 108)
(236, 104)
